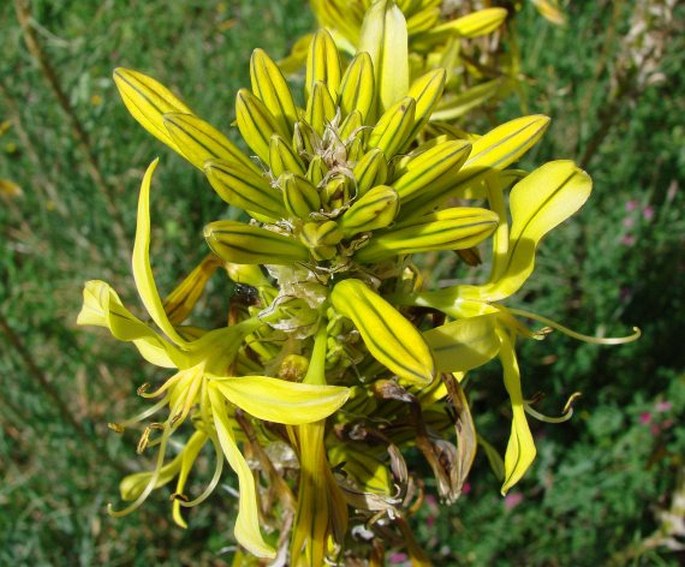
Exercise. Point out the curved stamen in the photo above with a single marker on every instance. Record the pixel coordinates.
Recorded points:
(120, 426)
(579, 336)
(150, 485)
(218, 469)
(566, 413)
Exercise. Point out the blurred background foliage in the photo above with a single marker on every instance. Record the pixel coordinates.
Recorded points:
(605, 487)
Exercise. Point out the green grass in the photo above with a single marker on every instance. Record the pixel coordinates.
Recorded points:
(613, 267)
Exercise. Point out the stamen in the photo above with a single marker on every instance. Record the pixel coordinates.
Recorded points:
(566, 414)
(579, 336)
(150, 485)
(145, 414)
(218, 469)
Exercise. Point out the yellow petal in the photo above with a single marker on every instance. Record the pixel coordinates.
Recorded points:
(539, 202)
(358, 88)
(521, 451)
(103, 308)
(495, 150)
(465, 344)
(245, 189)
(142, 271)
(247, 523)
(450, 229)
(280, 401)
(180, 302)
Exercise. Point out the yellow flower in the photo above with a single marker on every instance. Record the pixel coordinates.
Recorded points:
(204, 381)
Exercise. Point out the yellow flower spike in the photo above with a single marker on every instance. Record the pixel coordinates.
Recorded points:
(142, 271)
(521, 450)
(283, 159)
(320, 108)
(241, 243)
(394, 127)
(449, 229)
(431, 171)
(280, 401)
(148, 101)
(384, 37)
(370, 170)
(246, 528)
(390, 338)
(256, 123)
(270, 86)
(245, 189)
(198, 141)
(358, 89)
(180, 302)
(464, 344)
(323, 65)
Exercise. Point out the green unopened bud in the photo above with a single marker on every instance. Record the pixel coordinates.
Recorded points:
(321, 239)
(376, 209)
(300, 197)
(282, 158)
(317, 170)
(371, 170)
(246, 244)
(337, 192)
